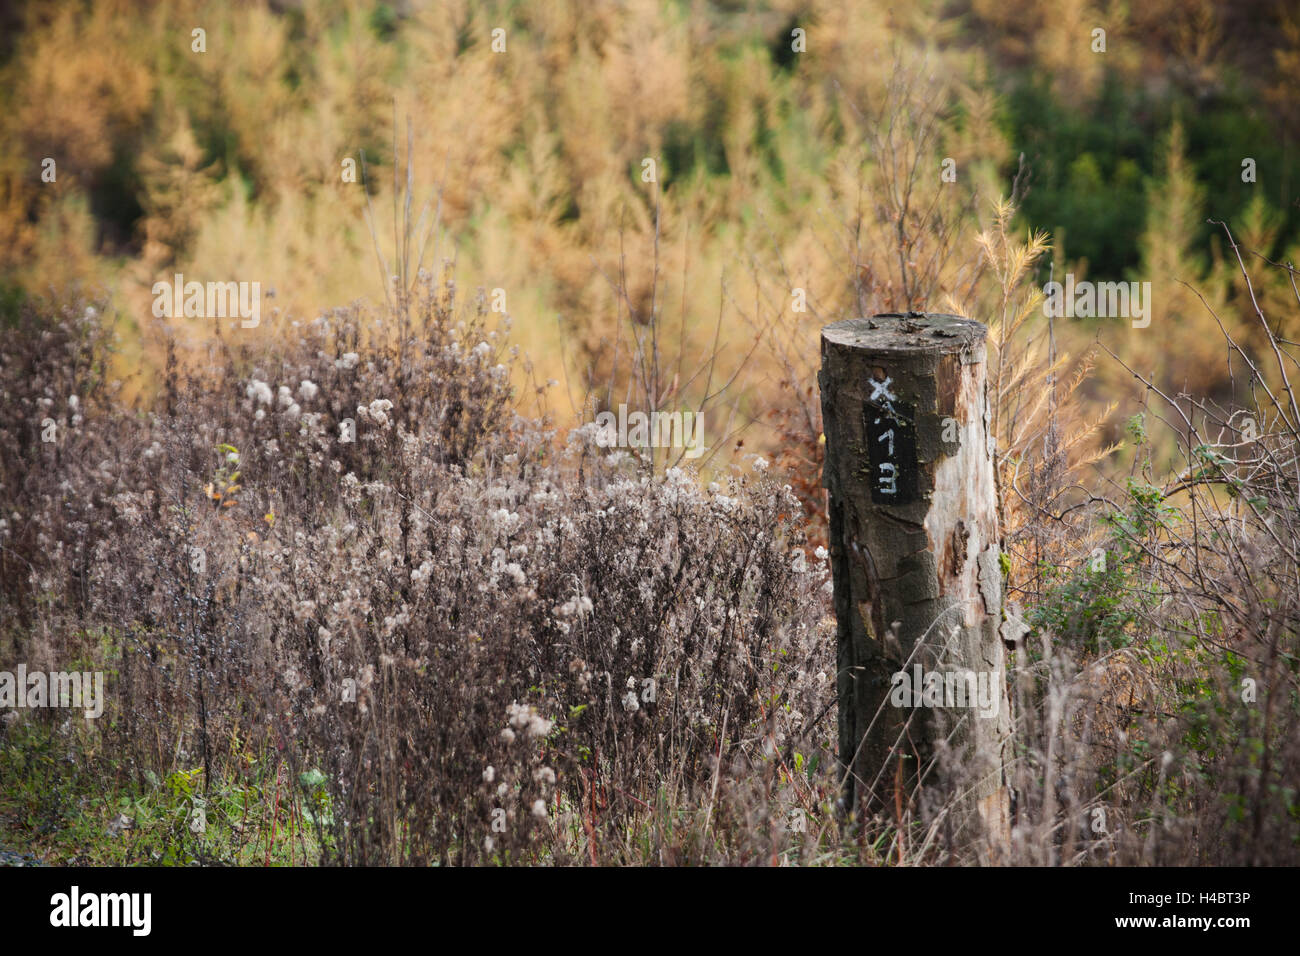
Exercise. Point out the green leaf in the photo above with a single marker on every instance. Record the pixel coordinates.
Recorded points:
(311, 778)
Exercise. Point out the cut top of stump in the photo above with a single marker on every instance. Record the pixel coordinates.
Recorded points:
(900, 332)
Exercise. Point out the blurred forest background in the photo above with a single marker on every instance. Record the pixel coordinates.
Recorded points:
(776, 170)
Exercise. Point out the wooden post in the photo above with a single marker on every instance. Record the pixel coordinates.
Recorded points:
(916, 569)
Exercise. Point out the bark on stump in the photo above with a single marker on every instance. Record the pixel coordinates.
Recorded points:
(916, 569)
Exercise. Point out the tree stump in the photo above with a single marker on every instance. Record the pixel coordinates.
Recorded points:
(917, 575)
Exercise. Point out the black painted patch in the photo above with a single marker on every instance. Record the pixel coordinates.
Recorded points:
(890, 427)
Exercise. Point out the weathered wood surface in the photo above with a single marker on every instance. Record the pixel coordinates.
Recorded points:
(915, 562)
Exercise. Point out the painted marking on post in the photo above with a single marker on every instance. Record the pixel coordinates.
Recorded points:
(890, 427)
(880, 393)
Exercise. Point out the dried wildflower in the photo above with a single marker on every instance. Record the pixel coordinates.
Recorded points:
(525, 717)
(260, 392)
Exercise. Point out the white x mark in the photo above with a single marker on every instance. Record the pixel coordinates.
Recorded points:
(879, 389)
